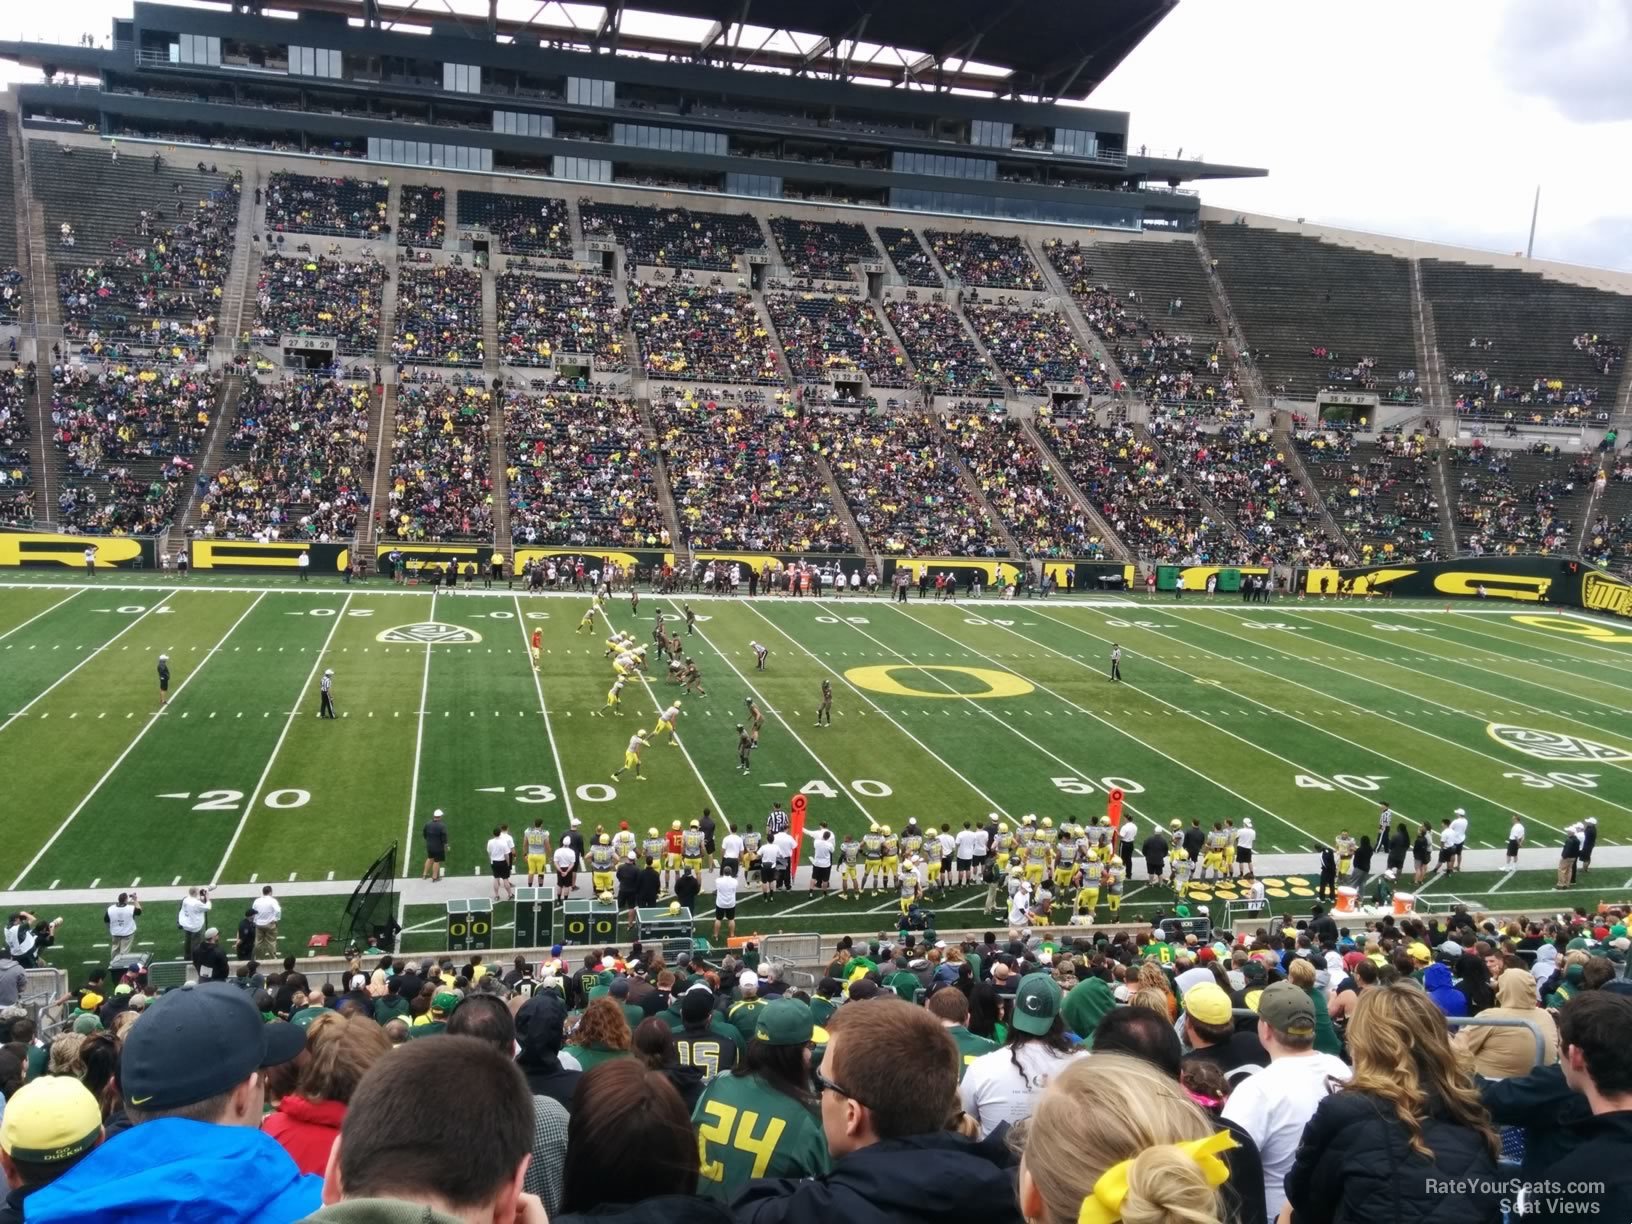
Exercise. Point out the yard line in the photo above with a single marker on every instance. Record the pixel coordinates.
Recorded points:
(254, 795)
(152, 720)
(1080, 774)
(419, 744)
(1494, 887)
(1518, 645)
(1561, 640)
(657, 708)
(37, 615)
(538, 685)
(799, 739)
(1121, 731)
(996, 806)
(89, 656)
(1379, 714)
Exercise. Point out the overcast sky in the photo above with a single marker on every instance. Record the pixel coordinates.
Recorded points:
(1432, 119)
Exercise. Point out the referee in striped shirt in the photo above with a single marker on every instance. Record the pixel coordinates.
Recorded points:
(1116, 662)
(328, 699)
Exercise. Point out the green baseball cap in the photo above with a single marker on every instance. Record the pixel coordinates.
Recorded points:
(1287, 1009)
(785, 1022)
(444, 1001)
(1036, 1004)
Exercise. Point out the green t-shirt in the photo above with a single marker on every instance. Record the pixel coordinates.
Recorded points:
(821, 1011)
(388, 1007)
(747, 1129)
(594, 1055)
(744, 1017)
(431, 1028)
(1161, 951)
(905, 983)
(969, 1046)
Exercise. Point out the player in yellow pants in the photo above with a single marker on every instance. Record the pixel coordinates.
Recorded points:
(1088, 896)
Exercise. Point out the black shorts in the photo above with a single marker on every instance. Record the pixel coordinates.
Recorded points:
(728, 868)
(1243, 855)
(164, 686)
(626, 900)
(437, 856)
(1420, 857)
(725, 913)
(1446, 854)
(501, 871)
(566, 879)
(1512, 849)
(767, 873)
(946, 866)
(821, 875)
(964, 865)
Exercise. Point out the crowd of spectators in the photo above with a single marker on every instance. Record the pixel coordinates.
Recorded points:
(339, 207)
(1035, 346)
(1020, 484)
(580, 471)
(441, 484)
(160, 287)
(1243, 471)
(319, 296)
(701, 333)
(1604, 353)
(119, 413)
(120, 501)
(439, 317)
(299, 461)
(903, 480)
(524, 225)
(1382, 494)
(11, 294)
(944, 354)
(422, 216)
(827, 337)
(911, 261)
(1545, 401)
(542, 316)
(17, 384)
(826, 249)
(989, 261)
(1144, 501)
(673, 237)
(745, 473)
(1508, 512)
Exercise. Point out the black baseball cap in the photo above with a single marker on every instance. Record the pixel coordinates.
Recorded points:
(199, 1041)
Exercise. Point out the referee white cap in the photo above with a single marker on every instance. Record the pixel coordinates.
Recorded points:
(164, 658)
(328, 671)
(1460, 812)
(438, 812)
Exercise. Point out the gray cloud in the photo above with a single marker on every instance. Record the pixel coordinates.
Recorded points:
(1570, 53)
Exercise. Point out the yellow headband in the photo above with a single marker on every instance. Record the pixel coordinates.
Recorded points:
(1104, 1205)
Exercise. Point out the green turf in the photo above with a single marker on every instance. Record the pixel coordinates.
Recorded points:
(1300, 716)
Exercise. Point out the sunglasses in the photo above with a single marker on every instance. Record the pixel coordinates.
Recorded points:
(824, 1084)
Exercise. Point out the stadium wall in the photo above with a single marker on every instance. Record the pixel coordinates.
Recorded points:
(36, 549)
(1557, 581)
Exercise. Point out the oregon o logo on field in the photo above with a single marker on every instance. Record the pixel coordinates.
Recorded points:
(430, 633)
(1554, 745)
(881, 679)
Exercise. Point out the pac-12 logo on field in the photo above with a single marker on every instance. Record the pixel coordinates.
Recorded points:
(430, 633)
(1554, 745)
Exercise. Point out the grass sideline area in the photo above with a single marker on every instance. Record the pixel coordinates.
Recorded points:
(1300, 715)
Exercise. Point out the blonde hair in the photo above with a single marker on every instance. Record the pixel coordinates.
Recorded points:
(1403, 1056)
(1106, 1109)
(1301, 974)
(340, 1050)
(1157, 1000)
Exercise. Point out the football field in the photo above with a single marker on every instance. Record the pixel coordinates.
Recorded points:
(1300, 716)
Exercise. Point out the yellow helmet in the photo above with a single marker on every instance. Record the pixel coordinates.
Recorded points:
(884, 829)
(677, 703)
(674, 907)
(675, 825)
(652, 832)
(1029, 818)
(605, 896)
(1175, 824)
(1048, 822)
(604, 839)
(696, 825)
(1105, 820)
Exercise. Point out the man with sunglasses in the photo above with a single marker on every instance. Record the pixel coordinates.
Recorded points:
(888, 1083)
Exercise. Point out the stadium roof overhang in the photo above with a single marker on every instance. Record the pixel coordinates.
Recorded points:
(1046, 49)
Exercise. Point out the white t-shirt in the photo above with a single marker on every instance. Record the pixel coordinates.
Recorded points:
(1274, 1105)
(993, 1090)
(121, 920)
(966, 844)
(497, 851)
(1019, 908)
(784, 848)
(509, 844)
(1458, 832)
(566, 859)
(821, 852)
(1128, 832)
(192, 914)
(767, 854)
(731, 848)
(267, 911)
(1244, 838)
(981, 843)
(725, 892)
(1516, 833)
(947, 845)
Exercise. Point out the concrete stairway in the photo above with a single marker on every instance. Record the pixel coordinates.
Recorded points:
(381, 429)
(234, 314)
(1294, 462)
(1113, 542)
(1212, 509)
(1090, 338)
(497, 463)
(842, 509)
(209, 458)
(1430, 367)
(661, 487)
(1447, 500)
(1251, 381)
(972, 486)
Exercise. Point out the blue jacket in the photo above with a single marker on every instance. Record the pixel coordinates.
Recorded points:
(1437, 982)
(175, 1171)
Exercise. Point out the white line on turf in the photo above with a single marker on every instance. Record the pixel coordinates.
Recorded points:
(152, 720)
(266, 772)
(995, 805)
(413, 784)
(1516, 644)
(38, 615)
(1119, 730)
(134, 621)
(657, 708)
(787, 726)
(1496, 886)
(543, 708)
